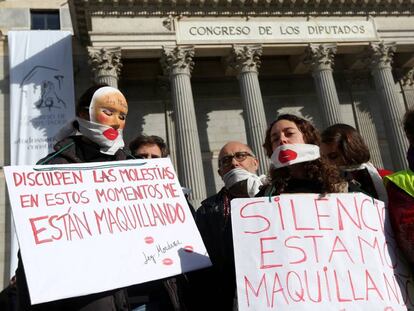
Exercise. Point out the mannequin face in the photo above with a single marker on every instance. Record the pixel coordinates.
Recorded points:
(110, 109)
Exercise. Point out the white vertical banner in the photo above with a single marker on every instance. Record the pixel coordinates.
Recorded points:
(41, 96)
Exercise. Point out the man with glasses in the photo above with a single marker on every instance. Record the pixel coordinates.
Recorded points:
(217, 284)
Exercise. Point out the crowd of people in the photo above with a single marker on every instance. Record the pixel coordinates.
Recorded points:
(302, 161)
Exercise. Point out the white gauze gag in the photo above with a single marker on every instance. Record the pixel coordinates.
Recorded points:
(253, 182)
(289, 154)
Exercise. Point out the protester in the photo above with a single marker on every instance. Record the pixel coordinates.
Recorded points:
(157, 295)
(148, 147)
(292, 144)
(216, 286)
(344, 147)
(95, 136)
(400, 190)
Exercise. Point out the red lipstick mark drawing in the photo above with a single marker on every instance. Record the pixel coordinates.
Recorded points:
(149, 239)
(167, 261)
(111, 133)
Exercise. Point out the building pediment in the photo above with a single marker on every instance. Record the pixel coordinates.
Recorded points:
(83, 11)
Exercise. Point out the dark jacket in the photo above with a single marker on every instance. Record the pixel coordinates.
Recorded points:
(8, 298)
(79, 149)
(360, 180)
(74, 149)
(216, 285)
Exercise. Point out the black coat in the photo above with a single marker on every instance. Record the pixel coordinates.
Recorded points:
(79, 149)
(74, 149)
(216, 286)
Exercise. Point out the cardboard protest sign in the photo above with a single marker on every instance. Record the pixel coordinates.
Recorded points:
(312, 252)
(92, 227)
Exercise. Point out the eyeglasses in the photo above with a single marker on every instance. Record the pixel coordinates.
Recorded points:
(239, 156)
(146, 156)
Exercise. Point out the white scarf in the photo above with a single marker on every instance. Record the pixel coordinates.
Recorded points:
(289, 154)
(109, 139)
(239, 174)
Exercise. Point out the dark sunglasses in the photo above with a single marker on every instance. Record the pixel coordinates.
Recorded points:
(239, 156)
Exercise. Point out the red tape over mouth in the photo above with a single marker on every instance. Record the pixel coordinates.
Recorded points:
(287, 155)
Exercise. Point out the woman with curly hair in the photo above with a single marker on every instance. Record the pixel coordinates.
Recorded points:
(292, 144)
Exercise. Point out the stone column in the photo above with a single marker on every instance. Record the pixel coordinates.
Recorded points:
(392, 112)
(246, 61)
(321, 58)
(177, 63)
(106, 65)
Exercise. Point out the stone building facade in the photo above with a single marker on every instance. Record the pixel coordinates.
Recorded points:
(202, 72)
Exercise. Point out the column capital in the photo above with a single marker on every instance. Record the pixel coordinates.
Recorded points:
(107, 60)
(245, 58)
(177, 60)
(105, 64)
(320, 56)
(381, 54)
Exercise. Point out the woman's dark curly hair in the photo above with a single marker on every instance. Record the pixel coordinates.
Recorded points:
(348, 141)
(318, 171)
